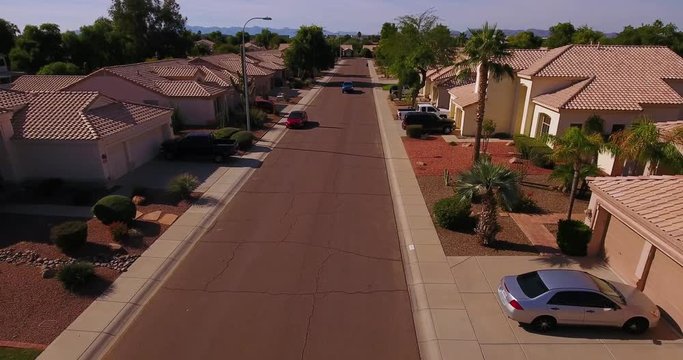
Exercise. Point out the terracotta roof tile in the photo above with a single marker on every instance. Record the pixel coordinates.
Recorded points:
(649, 198)
(666, 126)
(11, 99)
(283, 47)
(626, 77)
(177, 71)
(560, 98)
(188, 89)
(44, 82)
(464, 95)
(521, 59)
(233, 64)
(346, 47)
(77, 115)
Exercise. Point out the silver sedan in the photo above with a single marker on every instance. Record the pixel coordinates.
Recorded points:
(545, 298)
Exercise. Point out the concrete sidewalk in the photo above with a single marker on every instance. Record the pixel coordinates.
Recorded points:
(98, 327)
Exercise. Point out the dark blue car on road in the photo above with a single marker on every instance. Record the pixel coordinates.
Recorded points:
(347, 87)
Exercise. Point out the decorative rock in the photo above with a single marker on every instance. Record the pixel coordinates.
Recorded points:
(515, 160)
(168, 219)
(153, 216)
(510, 143)
(115, 246)
(138, 200)
(420, 163)
(47, 272)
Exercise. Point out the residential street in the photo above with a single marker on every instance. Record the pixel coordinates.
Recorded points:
(304, 263)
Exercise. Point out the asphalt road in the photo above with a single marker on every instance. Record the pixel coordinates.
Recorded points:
(304, 263)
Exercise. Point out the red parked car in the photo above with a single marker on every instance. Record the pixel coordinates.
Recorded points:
(297, 119)
(265, 105)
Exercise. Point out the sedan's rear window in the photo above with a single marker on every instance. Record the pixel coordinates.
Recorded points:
(296, 115)
(531, 284)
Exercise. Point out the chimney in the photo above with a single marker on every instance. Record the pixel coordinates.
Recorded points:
(476, 83)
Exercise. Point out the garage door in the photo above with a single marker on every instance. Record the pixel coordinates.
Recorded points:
(144, 148)
(660, 288)
(117, 161)
(622, 249)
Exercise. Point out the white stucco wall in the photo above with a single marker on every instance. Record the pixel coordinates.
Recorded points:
(469, 120)
(69, 160)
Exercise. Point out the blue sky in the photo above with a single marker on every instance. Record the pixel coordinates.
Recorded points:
(367, 16)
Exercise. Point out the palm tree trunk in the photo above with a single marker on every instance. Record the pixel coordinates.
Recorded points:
(575, 180)
(481, 105)
(487, 226)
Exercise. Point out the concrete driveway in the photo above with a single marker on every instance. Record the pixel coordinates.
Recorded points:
(474, 321)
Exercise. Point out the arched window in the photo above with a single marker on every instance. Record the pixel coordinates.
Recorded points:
(544, 124)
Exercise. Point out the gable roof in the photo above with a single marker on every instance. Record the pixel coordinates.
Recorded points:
(345, 47)
(521, 59)
(625, 77)
(11, 99)
(166, 77)
(283, 47)
(77, 115)
(648, 200)
(44, 82)
(464, 95)
(233, 63)
(558, 99)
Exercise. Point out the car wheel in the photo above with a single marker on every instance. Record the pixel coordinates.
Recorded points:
(637, 325)
(219, 158)
(447, 130)
(544, 323)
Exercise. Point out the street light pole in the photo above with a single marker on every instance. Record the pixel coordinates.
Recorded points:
(244, 71)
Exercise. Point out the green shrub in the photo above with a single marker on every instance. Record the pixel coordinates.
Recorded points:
(225, 133)
(296, 83)
(414, 131)
(114, 208)
(75, 276)
(70, 235)
(118, 230)
(257, 118)
(183, 185)
(534, 149)
(454, 214)
(573, 237)
(525, 205)
(244, 139)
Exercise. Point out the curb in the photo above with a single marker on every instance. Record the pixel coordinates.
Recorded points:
(93, 333)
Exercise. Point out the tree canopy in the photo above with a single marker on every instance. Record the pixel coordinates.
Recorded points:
(59, 68)
(560, 35)
(525, 40)
(8, 35)
(309, 52)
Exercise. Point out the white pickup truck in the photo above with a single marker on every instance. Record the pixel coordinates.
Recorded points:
(423, 107)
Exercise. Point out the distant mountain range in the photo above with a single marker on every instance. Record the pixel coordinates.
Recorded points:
(232, 30)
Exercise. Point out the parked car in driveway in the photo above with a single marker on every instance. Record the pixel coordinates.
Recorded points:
(199, 144)
(423, 107)
(297, 119)
(430, 122)
(347, 87)
(265, 105)
(546, 298)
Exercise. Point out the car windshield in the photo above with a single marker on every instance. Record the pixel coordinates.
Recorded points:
(531, 284)
(608, 289)
(296, 115)
(348, 83)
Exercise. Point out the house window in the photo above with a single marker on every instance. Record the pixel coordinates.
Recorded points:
(617, 128)
(151, 102)
(544, 121)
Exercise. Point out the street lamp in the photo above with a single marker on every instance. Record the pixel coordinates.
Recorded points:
(244, 71)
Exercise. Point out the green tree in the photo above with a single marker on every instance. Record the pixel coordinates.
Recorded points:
(37, 46)
(217, 37)
(489, 181)
(265, 38)
(134, 20)
(309, 52)
(60, 68)
(486, 50)
(586, 35)
(8, 35)
(560, 35)
(168, 35)
(577, 149)
(525, 40)
(226, 49)
(237, 39)
(656, 33)
(642, 143)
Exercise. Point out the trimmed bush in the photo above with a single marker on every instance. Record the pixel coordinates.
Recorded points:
(414, 131)
(70, 235)
(118, 230)
(525, 205)
(183, 185)
(534, 149)
(77, 275)
(225, 133)
(573, 237)
(114, 208)
(244, 139)
(453, 214)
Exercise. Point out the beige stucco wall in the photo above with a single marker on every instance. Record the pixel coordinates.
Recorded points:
(658, 286)
(442, 98)
(469, 121)
(72, 160)
(500, 101)
(195, 111)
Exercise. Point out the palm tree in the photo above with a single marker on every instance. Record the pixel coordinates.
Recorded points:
(642, 143)
(489, 181)
(486, 50)
(576, 148)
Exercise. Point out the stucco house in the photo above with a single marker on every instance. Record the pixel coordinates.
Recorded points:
(503, 101)
(44, 82)
(371, 47)
(637, 229)
(283, 47)
(205, 43)
(271, 60)
(81, 136)
(346, 50)
(201, 96)
(231, 64)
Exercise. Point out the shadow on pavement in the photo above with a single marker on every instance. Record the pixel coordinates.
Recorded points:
(245, 163)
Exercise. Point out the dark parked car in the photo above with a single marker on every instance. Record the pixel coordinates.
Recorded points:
(430, 122)
(297, 119)
(265, 105)
(347, 87)
(199, 145)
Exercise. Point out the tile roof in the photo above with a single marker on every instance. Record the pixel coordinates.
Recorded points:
(149, 75)
(346, 47)
(44, 82)
(370, 47)
(10, 99)
(649, 199)
(626, 77)
(521, 59)
(464, 95)
(283, 47)
(78, 115)
(441, 73)
(233, 64)
(666, 126)
(558, 99)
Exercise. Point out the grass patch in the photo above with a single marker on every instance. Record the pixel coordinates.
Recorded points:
(18, 354)
(387, 87)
